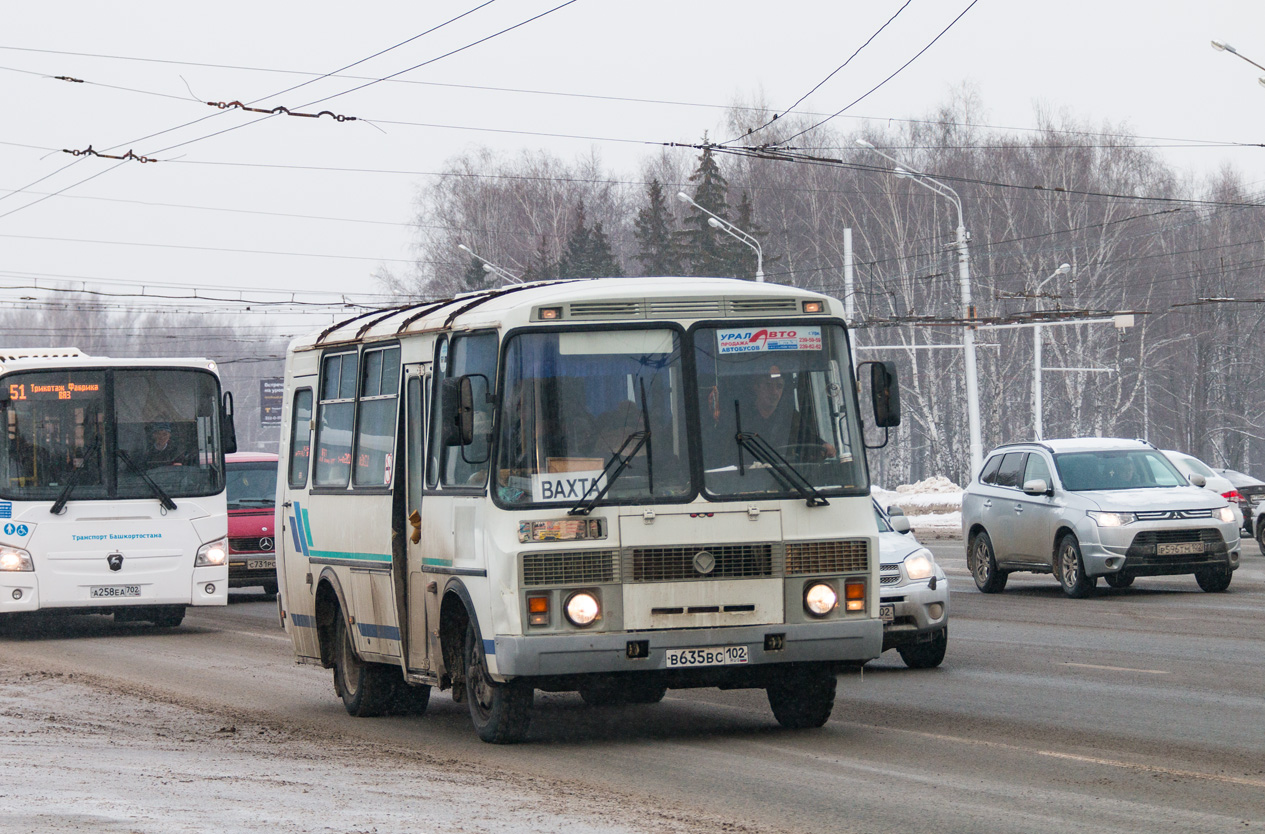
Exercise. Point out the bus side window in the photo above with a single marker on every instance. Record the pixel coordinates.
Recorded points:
(466, 466)
(376, 416)
(300, 437)
(334, 414)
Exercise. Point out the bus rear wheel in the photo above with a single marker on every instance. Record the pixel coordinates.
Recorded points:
(804, 698)
(501, 712)
(367, 689)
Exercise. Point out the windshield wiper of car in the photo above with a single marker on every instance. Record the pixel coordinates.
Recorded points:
(780, 466)
(159, 492)
(59, 506)
(620, 461)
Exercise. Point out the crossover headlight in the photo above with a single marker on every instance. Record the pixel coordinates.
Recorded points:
(15, 558)
(212, 554)
(1224, 514)
(920, 564)
(1104, 519)
(820, 599)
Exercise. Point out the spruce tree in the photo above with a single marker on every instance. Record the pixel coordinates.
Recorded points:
(588, 252)
(657, 249)
(706, 251)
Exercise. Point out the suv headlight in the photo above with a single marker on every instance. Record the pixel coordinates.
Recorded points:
(1224, 514)
(212, 553)
(15, 558)
(920, 564)
(1111, 519)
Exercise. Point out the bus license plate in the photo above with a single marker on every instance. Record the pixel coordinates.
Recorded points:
(1179, 548)
(112, 591)
(887, 613)
(259, 564)
(719, 656)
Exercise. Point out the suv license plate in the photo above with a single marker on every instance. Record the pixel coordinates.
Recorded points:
(887, 613)
(719, 656)
(259, 564)
(1179, 548)
(112, 591)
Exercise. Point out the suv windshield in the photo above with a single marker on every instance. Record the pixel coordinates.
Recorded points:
(124, 432)
(573, 401)
(1122, 469)
(788, 386)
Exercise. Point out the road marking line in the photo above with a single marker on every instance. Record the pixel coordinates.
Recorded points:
(1117, 668)
(1054, 754)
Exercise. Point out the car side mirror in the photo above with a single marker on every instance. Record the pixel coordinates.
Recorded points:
(1037, 486)
(900, 523)
(1198, 480)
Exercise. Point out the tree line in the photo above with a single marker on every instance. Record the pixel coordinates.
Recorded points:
(1182, 253)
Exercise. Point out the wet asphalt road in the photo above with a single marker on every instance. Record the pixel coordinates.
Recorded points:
(1138, 710)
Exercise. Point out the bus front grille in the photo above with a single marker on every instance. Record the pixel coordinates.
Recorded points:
(704, 561)
(570, 567)
(847, 556)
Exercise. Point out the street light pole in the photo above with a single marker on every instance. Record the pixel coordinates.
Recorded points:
(1037, 410)
(968, 312)
(733, 231)
(489, 267)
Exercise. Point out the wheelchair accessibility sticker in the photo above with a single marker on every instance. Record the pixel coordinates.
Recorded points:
(19, 530)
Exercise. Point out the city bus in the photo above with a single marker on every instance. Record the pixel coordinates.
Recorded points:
(610, 487)
(112, 485)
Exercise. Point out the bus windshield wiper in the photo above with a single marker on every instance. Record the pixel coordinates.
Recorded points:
(159, 492)
(620, 461)
(780, 466)
(59, 506)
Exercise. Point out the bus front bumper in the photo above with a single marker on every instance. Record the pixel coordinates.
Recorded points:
(843, 642)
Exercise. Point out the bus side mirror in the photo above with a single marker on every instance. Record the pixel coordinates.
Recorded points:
(885, 394)
(226, 424)
(458, 416)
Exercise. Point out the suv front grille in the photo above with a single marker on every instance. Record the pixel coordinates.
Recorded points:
(1172, 515)
(1145, 545)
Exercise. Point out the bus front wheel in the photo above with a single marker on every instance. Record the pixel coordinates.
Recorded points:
(803, 699)
(366, 688)
(501, 712)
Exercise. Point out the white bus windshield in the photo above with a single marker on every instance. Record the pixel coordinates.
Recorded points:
(776, 410)
(574, 400)
(113, 431)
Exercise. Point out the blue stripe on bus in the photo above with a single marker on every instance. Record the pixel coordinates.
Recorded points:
(303, 620)
(294, 531)
(489, 647)
(383, 632)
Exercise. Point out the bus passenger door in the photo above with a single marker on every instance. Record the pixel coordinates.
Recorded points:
(420, 621)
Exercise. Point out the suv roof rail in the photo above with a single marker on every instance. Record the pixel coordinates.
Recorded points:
(1040, 443)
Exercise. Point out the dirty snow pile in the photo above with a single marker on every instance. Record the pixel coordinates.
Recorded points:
(932, 504)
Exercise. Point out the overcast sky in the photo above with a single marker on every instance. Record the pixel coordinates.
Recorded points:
(295, 205)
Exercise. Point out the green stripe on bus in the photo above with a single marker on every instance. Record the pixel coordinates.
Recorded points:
(360, 557)
(307, 529)
(444, 563)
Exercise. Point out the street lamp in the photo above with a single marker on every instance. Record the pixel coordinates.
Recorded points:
(489, 267)
(1222, 46)
(1037, 425)
(733, 231)
(964, 280)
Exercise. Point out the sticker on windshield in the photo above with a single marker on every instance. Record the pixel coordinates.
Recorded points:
(768, 339)
(566, 486)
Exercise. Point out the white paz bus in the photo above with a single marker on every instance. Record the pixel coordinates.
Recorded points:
(611, 486)
(112, 485)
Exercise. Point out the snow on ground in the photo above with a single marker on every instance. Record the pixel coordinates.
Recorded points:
(933, 505)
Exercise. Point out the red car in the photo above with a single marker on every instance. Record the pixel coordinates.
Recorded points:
(252, 490)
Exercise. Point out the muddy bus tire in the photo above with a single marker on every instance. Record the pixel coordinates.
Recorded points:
(501, 712)
(366, 688)
(803, 699)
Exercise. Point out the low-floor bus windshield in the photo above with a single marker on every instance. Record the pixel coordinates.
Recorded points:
(111, 485)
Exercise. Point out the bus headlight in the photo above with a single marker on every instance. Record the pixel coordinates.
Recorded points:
(14, 558)
(820, 599)
(582, 609)
(212, 554)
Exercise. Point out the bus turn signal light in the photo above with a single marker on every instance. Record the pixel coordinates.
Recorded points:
(854, 594)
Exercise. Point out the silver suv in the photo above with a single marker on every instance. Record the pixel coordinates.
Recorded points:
(1092, 507)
